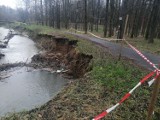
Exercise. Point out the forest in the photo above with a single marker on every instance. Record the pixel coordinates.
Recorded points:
(92, 15)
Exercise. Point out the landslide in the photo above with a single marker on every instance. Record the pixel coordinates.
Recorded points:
(61, 53)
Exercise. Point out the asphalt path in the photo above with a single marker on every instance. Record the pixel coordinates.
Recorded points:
(126, 52)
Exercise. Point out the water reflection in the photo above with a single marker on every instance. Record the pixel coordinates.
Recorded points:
(19, 49)
(26, 90)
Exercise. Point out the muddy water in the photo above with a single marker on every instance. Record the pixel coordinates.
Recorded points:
(25, 88)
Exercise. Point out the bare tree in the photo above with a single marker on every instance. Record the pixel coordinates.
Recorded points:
(106, 19)
(85, 16)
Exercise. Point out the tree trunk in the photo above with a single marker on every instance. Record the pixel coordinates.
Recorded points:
(42, 13)
(85, 16)
(111, 18)
(46, 11)
(93, 12)
(154, 20)
(106, 19)
(58, 14)
(97, 19)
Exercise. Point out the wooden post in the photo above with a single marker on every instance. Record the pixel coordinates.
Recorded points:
(154, 98)
(125, 27)
(119, 58)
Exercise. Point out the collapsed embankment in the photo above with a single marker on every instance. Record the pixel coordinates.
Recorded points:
(61, 53)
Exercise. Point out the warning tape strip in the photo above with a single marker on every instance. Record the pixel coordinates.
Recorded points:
(105, 38)
(97, 36)
(76, 30)
(153, 80)
(145, 58)
(125, 97)
(139, 84)
(136, 50)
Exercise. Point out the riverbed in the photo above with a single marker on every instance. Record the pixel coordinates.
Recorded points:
(25, 88)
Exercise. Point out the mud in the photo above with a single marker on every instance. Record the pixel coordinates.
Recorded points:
(61, 54)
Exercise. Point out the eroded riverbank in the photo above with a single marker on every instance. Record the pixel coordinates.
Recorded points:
(21, 86)
(101, 88)
(59, 56)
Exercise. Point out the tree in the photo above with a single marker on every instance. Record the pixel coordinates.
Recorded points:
(106, 18)
(58, 25)
(111, 18)
(144, 15)
(154, 20)
(98, 12)
(85, 16)
(41, 9)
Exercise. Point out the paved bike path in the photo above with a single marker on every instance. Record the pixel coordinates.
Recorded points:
(127, 52)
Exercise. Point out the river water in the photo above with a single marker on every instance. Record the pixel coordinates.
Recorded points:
(26, 88)
(19, 49)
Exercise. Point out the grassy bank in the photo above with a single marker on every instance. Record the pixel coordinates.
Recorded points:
(99, 89)
(38, 29)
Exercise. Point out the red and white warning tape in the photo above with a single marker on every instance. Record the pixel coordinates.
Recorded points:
(139, 84)
(153, 80)
(145, 58)
(125, 97)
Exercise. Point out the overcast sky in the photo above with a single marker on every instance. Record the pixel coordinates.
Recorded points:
(9, 3)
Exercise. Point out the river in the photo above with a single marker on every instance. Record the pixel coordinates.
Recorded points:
(25, 88)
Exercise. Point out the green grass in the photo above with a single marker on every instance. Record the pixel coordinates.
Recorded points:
(143, 44)
(117, 75)
(42, 29)
(100, 31)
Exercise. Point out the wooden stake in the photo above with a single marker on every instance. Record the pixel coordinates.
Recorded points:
(154, 98)
(125, 27)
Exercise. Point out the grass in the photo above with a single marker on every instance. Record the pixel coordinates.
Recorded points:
(100, 31)
(142, 44)
(99, 89)
(41, 29)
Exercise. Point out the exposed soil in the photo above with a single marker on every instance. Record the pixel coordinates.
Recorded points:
(61, 53)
